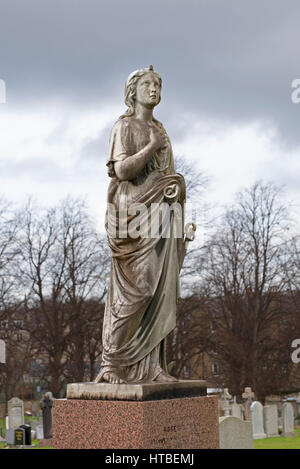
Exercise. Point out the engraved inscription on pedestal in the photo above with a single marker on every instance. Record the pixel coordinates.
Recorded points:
(173, 435)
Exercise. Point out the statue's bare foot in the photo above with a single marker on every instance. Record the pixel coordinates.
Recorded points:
(109, 377)
(163, 377)
(112, 378)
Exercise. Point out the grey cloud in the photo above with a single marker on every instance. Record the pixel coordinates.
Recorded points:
(44, 170)
(231, 60)
(57, 135)
(96, 148)
(39, 169)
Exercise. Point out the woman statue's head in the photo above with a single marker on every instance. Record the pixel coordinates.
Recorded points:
(131, 87)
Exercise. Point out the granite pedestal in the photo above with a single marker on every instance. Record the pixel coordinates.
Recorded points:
(146, 416)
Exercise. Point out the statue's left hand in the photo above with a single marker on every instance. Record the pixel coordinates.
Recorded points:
(172, 193)
(189, 230)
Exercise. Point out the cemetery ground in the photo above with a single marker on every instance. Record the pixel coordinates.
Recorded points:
(279, 442)
(266, 443)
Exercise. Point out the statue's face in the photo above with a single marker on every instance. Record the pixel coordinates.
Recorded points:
(148, 90)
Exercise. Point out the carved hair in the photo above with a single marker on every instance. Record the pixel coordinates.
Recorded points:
(130, 89)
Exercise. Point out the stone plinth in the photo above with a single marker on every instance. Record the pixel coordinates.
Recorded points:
(179, 423)
(137, 392)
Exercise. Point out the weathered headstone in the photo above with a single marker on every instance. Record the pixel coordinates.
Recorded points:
(2, 352)
(40, 417)
(15, 413)
(40, 432)
(237, 411)
(235, 433)
(288, 419)
(271, 420)
(10, 436)
(35, 408)
(225, 402)
(248, 396)
(46, 405)
(256, 410)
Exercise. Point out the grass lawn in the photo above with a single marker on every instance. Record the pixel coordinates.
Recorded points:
(279, 443)
(2, 426)
(34, 442)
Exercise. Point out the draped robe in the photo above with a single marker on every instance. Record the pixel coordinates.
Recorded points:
(140, 309)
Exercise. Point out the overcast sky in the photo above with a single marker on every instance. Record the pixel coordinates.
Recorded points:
(227, 69)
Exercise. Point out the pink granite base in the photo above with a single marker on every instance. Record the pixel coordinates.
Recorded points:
(183, 423)
(46, 442)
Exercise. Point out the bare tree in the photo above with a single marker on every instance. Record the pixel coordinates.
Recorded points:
(196, 181)
(9, 256)
(19, 355)
(18, 352)
(85, 278)
(45, 318)
(197, 210)
(245, 280)
(191, 339)
(64, 265)
(292, 301)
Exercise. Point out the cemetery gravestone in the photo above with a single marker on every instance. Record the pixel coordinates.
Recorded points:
(15, 413)
(10, 436)
(35, 408)
(248, 395)
(40, 432)
(40, 417)
(225, 401)
(271, 420)
(237, 411)
(235, 433)
(27, 434)
(19, 436)
(288, 419)
(46, 405)
(256, 410)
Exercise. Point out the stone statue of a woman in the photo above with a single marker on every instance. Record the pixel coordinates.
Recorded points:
(141, 302)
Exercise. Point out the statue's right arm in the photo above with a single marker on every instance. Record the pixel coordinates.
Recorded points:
(131, 166)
